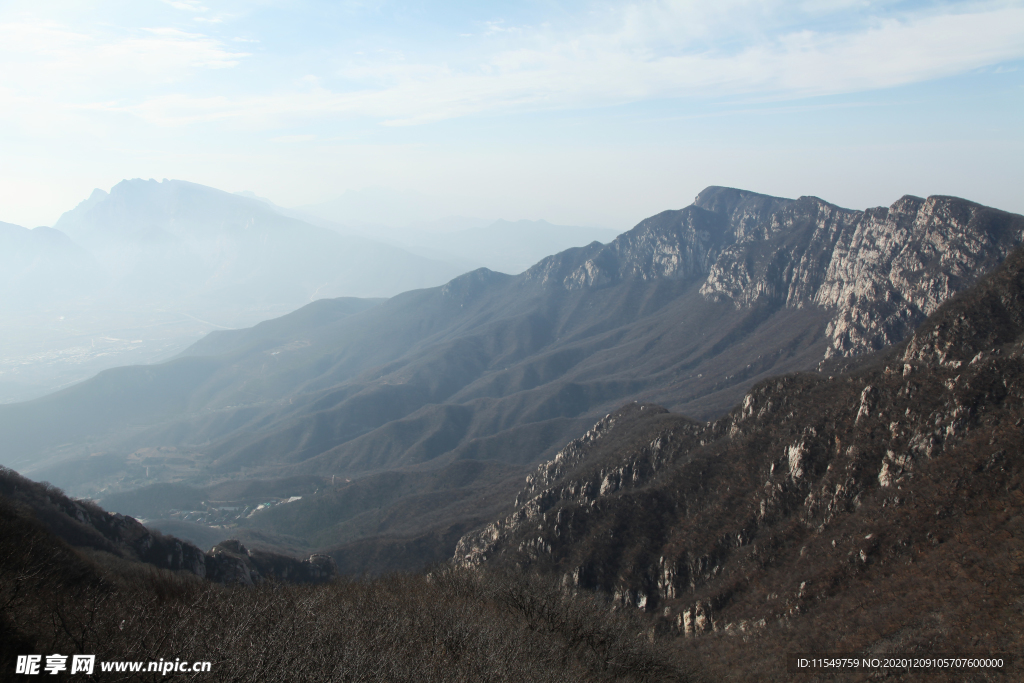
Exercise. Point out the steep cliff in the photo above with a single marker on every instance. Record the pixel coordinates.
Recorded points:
(878, 272)
(677, 245)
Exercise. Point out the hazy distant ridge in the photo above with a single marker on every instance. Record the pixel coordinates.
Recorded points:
(137, 274)
(176, 238)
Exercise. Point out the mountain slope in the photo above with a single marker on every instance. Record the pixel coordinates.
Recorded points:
(138, 274)
(878, 511)
(83, 525)
(95, 600)
(492, 366)
(39, 265)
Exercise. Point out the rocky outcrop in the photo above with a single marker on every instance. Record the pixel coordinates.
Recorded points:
(678, 245)
(232, 562)
(315, 568)
(879, 272)
(551, 485)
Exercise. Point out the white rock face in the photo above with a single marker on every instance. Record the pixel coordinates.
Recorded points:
(881, 271)
(795, 455)
(673, 244)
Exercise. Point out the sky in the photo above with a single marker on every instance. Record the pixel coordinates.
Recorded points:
(584, 113)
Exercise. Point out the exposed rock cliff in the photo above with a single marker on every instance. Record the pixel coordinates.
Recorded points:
(879, 272)
(882, 271)
(541, 492)
(679, 244)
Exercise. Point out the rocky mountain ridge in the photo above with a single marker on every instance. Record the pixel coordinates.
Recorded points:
(879, 272)
(679, 244)
(892, 496)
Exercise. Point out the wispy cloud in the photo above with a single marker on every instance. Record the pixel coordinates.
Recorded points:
(187, 5)
(644, 52)
(637, 52)
(47, 51)
(165, 49)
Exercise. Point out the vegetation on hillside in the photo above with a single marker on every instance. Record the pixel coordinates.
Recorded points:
(450, 625)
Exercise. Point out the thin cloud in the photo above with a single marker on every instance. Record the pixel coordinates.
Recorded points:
(640, 52)
(187, 5)
(55, 59)
(598, 69)
(169, 48)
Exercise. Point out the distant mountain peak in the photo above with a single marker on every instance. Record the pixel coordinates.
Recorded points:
(725, 200)
(471, 285)
(177, 238)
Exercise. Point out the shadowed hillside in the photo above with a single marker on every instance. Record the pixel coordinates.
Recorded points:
(879, 511)
(447, 626)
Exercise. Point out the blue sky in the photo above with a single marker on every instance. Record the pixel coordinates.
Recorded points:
(577, 112)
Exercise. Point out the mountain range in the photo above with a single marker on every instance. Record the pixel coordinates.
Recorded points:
(875, 513)
(137, 274)
(410, 420)
(175, 240)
